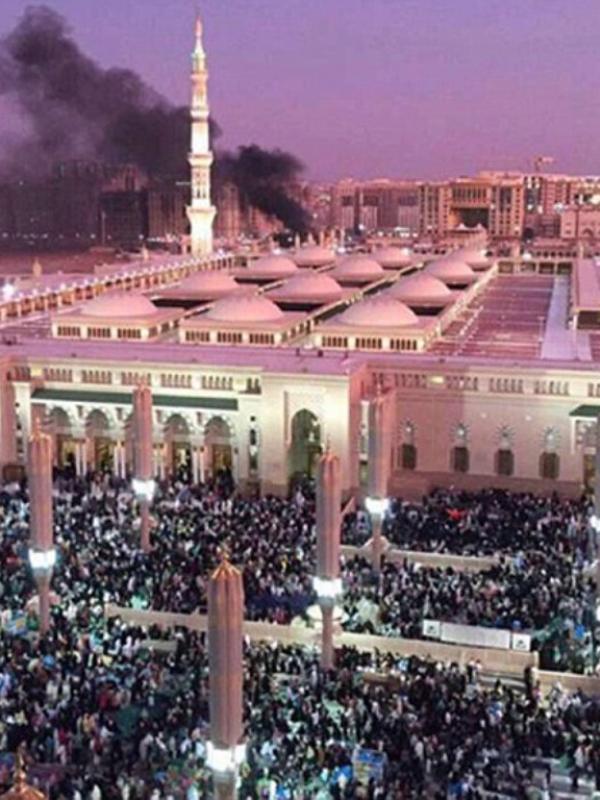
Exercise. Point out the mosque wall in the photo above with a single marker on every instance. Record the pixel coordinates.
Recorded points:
(493, 424)
(529, 425)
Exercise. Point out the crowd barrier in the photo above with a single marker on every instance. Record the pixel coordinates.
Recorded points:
(498, 662)
(510, 663)
(433, 560)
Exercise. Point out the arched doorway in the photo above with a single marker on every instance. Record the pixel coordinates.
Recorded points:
(179, 448)
(305, 445)
(100, 445)
(59, 427)
(218, 447)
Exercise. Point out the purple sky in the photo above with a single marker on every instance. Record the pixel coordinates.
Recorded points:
(367, 88)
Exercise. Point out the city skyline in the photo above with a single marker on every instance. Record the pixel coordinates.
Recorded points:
(442, 91)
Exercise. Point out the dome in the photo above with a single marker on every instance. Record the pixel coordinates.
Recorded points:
(475, 257)
(313, 255)
(312, 284)
(209, 282)
(451, 270)
(379, 312)
(359, 268)
(393, 257)
(122, 304)
(244, 308)
(273, 266)
(421, 289)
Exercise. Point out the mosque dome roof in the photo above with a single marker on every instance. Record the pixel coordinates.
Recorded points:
(273, 265)
(208, 281)
(120, 304)
(475, 257)
(313, 255)
(379, 312)
(244, 307)
(358, 267)
(391, 257)
(451, 269)
(421, 289)
(312, 285)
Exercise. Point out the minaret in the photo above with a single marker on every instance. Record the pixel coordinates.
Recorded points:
(200, 212)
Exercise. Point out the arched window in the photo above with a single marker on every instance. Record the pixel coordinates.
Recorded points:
(549, 466)
(409, 456)
(505, 462)
(459, 458)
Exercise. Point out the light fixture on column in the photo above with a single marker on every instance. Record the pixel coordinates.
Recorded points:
(41, 561)
(144, 489)
(327, 582)
(377, 505)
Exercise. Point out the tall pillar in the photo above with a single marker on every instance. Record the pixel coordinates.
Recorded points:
(42, 555)
(8, 423)
(226, 750)
(143, 483)
(202, 464)
(328, 522)
(123, 464)
(597, 470)
(379, 469)
(117, 459)
(80, 457)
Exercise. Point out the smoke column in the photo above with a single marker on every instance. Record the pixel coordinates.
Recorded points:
(75, 109)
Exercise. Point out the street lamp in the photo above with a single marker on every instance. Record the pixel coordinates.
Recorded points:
(143, 484)
(42, 555)
(327, 582)
(144, 490)
(377, 508)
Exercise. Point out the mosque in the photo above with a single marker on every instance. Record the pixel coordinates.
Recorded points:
(489, 364)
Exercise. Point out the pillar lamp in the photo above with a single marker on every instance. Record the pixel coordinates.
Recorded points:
(327, 582)
(226, 750)
(143, 484)
(42, 555)
(379, 463)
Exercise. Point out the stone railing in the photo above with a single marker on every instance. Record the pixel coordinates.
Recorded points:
(501, 662)
(434, 560)
(509, 663)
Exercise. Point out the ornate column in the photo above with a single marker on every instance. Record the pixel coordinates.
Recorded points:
(225, 751)
(117, 459)
(379, 469)
(80, 457)
(8, 422)
(143, 483)
(42, 555)
(202, 463)
(327, 581)
(597, 470)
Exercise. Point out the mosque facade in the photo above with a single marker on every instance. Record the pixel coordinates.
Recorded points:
(489, 362)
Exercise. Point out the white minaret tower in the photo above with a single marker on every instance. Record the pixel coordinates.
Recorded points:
(200, 212)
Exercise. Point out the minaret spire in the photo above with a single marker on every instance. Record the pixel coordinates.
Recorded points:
(201, 212)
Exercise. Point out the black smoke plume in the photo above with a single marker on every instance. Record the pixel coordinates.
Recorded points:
(75, 109)
(264, 179)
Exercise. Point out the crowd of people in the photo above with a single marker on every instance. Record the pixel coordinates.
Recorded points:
(482, 523)
(116, 711)
(545, 590)
(108, 711)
